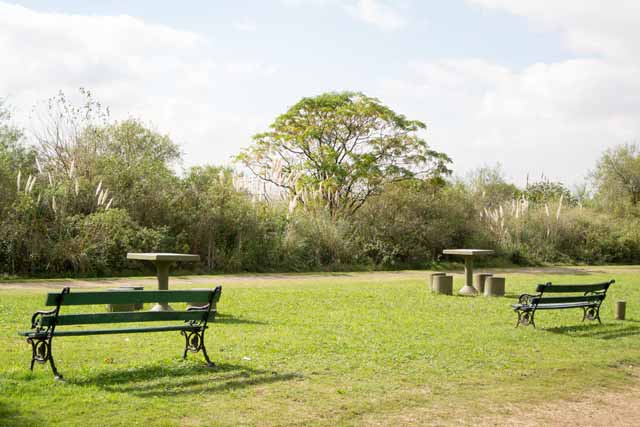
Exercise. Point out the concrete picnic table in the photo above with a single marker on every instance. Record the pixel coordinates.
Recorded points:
(468, 255)
(162, 262)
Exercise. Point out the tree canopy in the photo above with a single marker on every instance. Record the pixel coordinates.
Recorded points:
(341, 148)
(617, 176)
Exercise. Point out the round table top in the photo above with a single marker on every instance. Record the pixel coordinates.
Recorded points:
(152, 256)
(468, 252)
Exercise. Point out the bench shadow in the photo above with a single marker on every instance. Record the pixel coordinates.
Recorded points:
(233, 320)
(556, 271)
(158, 381)
(604, 332)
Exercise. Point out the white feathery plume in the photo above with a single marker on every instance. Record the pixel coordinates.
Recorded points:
(18, 179)
(98, 188)
(559, 207)
(109, 204)
(38, 166)
(30, 182)
(77, 187)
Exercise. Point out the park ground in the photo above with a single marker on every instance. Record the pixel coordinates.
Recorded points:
(338, 349)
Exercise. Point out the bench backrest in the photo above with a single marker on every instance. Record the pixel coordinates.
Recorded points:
(130, 297)
(590, 293)
(203, 314)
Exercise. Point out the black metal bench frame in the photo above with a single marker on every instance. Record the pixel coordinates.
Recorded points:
(41, 335)
(590, 301)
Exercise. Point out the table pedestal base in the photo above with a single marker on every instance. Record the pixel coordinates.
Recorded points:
(468, 290)
(162, 306)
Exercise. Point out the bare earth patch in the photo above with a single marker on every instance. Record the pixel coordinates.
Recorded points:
(599, 408)
(279, 278)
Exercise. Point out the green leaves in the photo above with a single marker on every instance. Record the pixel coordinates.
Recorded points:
(341, 148)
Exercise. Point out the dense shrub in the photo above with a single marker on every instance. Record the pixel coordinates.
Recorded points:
(100, 189)
(410, 223)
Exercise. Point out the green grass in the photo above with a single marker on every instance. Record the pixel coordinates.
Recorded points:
(326, 349)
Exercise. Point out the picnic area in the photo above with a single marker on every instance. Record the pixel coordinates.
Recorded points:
(333, 348)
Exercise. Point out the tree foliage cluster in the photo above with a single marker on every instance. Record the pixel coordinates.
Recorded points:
(353, 185)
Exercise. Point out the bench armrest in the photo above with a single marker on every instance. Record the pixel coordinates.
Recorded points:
(198, 307)
(525, 299)
(37, 314)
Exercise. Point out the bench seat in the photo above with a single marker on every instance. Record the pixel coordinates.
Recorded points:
(554, 306)
(82, 332)
(45, 325)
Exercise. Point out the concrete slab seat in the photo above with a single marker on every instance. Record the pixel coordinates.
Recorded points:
(589, 301)
(45, 325)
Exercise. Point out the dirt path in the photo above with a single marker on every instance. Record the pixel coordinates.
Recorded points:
(276, 278)
(595, 408)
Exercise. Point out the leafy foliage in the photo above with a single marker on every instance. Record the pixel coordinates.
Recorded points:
(617, 177)
(361, 190)
(343, 146)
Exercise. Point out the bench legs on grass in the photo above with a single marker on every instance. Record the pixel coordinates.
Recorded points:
(592, 313)
(526, 318)
(194, 342)
(41, 353)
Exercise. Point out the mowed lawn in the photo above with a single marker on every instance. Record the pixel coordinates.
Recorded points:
(327, 349)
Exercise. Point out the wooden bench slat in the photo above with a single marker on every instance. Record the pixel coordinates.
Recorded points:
(81, 332)
(558, 300)
(130, 297)
(124, 317)
(555, 306)
(546, 288)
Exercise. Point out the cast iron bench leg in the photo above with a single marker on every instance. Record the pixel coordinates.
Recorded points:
(194, 342)
(41, 353)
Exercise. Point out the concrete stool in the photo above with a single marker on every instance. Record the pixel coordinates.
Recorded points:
(621, 310)
(443, 285)
(125, 307)
(494, 287)
(479, 280)
(431, 279)
(201, 303)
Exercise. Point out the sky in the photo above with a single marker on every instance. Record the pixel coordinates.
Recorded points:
(540, 87)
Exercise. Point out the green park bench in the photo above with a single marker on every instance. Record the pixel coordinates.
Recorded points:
(45, 325)
(590, 301)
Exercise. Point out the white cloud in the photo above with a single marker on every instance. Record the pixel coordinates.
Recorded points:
(384, 14)
(608, 28)
(554, 118)
(378, 13)
(246, 25)
(170, 78)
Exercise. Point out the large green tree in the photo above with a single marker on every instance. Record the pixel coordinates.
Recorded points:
(339, 149)
(617, 176)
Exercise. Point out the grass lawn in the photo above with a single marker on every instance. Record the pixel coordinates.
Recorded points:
(332, 349)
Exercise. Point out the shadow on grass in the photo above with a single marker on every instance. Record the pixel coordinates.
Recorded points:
(555, 271)
(157, 381)
(230, 319)
(603, 332)
(13, 417)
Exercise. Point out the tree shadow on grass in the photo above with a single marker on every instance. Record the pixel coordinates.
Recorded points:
(157, 381)
(13, 417)
(603, 332)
